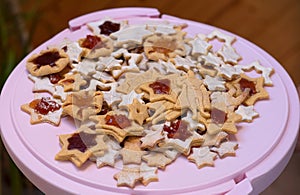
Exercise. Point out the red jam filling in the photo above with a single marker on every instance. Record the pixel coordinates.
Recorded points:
(244, 84)
(161, 86)
(81, 141)
(48, 58)
(178, 130)
(54, 78)
(65, 48)
(105, 108)
(119, 120)
(109, 27)
(44, 106)
(218, 116)
(91, 42)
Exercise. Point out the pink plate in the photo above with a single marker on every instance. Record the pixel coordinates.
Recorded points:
(265, 146)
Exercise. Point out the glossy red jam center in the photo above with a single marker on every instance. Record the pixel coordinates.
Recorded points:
(91, 42)
(178, 130)
(81, 141)
(54, 78)
(109, 27)
(44, 106)
(105, 108)
(161, 86)
(218, 116)
(48, 58)
(119, 120)
(244, 84)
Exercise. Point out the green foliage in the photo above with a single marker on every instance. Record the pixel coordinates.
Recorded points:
(13, 47)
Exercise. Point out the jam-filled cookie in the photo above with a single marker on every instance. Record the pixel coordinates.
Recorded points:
(47, 62)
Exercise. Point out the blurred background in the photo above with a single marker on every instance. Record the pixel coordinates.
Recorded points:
(273, 25)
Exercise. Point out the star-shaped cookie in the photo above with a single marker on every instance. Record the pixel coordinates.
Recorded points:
(247, 112)
(53, 116)
(79, 146)
(226, 149)
(202, 157)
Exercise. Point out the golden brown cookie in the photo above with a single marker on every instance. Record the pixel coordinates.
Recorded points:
(95, 46)
(79, 146)
(255, 87)
(83, 104)
(72, 82)
(47, 62)
(117, 124)
(138, 112)
(163, 47)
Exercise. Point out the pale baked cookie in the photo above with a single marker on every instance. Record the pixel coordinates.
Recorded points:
(228, 39)
(152, 137)
(131, 36)
(42, 84)
(163, 67)
(157, 159)
(226, 149)
(162, 27)
(229, 55)
(107, 159)
(130, 64)
(202, 157)
(200, 46)
(214, 139)
(73, 50)
(128, 176)
(247, 112)
(266, 72)
(148, 174)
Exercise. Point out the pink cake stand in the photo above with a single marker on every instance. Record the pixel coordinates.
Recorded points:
(265, 146)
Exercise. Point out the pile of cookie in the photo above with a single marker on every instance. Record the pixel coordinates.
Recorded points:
(142, 95)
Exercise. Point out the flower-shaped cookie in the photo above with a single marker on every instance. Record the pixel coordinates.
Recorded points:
(47, 62)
